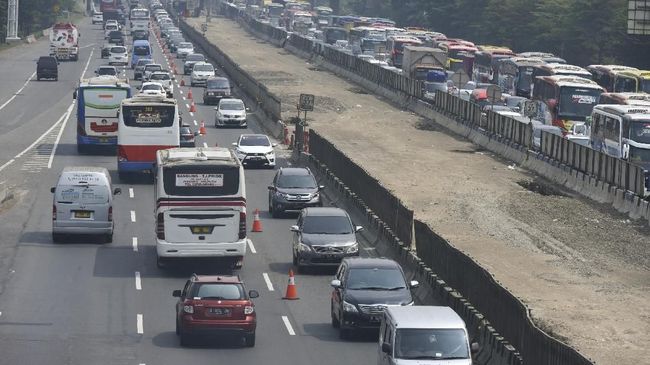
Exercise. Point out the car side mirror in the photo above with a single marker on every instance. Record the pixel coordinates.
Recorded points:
(176, 294)
(294, 229)
(386, 348)
(321, 187)
(216, 108)
(271, 187)
(52, 190)
(336, 283)
(253, 294)
(358, 228)
(234, 144)
(474, 347)
(414, 284)
(117, 191)
(274, 144)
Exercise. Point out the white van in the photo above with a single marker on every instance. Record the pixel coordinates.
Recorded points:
(200, 209)
(83, 203)
(412, 335)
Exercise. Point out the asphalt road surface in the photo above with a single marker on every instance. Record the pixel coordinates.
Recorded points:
(86, 303)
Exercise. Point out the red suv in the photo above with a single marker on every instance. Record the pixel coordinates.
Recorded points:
(215, 305)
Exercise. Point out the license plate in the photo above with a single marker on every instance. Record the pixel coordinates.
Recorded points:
(103, 140)
(201, 229)
(255, 158)
(82, 214)
(220, 311)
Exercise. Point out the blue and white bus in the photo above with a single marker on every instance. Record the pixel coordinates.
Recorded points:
(141, 49)
(98, 105)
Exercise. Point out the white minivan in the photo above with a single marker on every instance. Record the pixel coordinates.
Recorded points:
(411, 335)
(83, 203)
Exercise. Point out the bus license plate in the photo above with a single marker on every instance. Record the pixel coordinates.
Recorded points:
(103, 140)
(82, 214)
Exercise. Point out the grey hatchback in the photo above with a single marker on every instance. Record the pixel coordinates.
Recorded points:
(323, 237)
(293, 188)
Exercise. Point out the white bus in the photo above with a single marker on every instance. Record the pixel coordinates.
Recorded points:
(139, 19)
(200, 212)
(622, 131)
(147, 123)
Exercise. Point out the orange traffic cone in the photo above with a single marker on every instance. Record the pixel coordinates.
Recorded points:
(193, 108)
(292, 291)
(182, 82)
(257, 223)
(202, 129)
(189, 94)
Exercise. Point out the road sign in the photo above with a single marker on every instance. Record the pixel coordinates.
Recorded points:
(460, 78)
(530, 108)
(494, 94)
(306, 103)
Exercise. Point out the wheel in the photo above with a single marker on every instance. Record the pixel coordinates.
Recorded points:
(57, 237)
(250, 340)
(344, 333)
(178, 328)
(184, 339)
(108, 238)
(335, 322)
(161, 262)
(276, 213)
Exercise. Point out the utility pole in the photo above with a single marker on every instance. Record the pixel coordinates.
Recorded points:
(12, 21)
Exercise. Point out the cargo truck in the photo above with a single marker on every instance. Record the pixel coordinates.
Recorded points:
(418, 61)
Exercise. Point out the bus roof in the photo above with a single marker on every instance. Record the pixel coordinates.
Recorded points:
(562, 67)
(104, 80)
(149, 99)
(628, 96)
(404, 38)
(202, 155)
(569, 80)
(641, 74)
(633, 111)
(611, 68)
(495, 49)
(524, 61)
(140, 42)
(536, 54)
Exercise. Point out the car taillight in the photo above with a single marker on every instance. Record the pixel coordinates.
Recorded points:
(242, 225)
(53, 212)
(249, 309)
(188, 308)
(160, 226)
(110, 214)
(121, 154)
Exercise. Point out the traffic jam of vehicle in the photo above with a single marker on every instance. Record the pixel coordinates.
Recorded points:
(136, 105)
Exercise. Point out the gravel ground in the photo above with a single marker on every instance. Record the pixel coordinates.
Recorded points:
(582, 268)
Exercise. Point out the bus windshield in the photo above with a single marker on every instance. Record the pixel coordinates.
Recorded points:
(644, 85)
(201, 180)
(640, 131)
(639, 155)
(148, 116)
(577, 102)
(525, 78)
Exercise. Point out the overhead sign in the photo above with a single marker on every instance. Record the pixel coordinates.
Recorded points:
(638, 17)
(306, 103)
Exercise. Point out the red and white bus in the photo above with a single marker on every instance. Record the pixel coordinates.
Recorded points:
(565, 101)
(200, 205)
(147, 123)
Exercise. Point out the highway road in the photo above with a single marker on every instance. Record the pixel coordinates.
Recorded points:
(83, 302)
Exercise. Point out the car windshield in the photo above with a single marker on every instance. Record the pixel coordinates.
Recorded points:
(106, 71)
(577, 103)
(231, 105)
(118, 50)
(297, 181)
(433, 344)
(185, 45)
(218, 84)
(219, 291)
(203, 68)
(254, 141)
(151, 87)
(160, 76)
(375, 279)
(196, 57)
(320, 224)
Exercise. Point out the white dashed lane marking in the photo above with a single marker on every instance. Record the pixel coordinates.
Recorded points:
(287, 324)
(135, 244)
(133, 216)
(267, 280)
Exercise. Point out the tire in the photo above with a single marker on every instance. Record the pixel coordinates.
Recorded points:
(38, 78)
(108, 238)
(335, 322)
(178, 328)
(57, 237)
(161, 263)
(250, 340)
(344, 333)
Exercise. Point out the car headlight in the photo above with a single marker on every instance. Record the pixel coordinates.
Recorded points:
(282, 195)
(353, 248)
(305, 248)
(270, 153)
(315, 196)
(347, 307)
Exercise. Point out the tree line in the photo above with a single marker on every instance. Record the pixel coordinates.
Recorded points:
(581, 31)
(33, 15)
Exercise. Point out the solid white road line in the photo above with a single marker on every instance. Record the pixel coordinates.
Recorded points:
(58, 137)
(138, 281)
(135, 244)
(12, 161)
(251, 247)
(131, 193)
(205, 144)
(133, 216)
(87, 63)
(140, 324)
(269, 285)
(19, 90)
(287, 324)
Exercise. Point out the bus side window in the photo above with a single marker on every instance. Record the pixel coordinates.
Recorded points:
(626, 128)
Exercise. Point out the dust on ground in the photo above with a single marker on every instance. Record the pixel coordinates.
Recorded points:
(582, 268)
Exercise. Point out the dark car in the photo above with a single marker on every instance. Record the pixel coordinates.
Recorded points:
(215, 305)
(106, 71)
(216, 88)
(363, 288)
(139, 67)
(323, 237)
(47, 67)
(140, 34)
(187, 136)
(293, 188)
(116, 37)
(190, 60)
